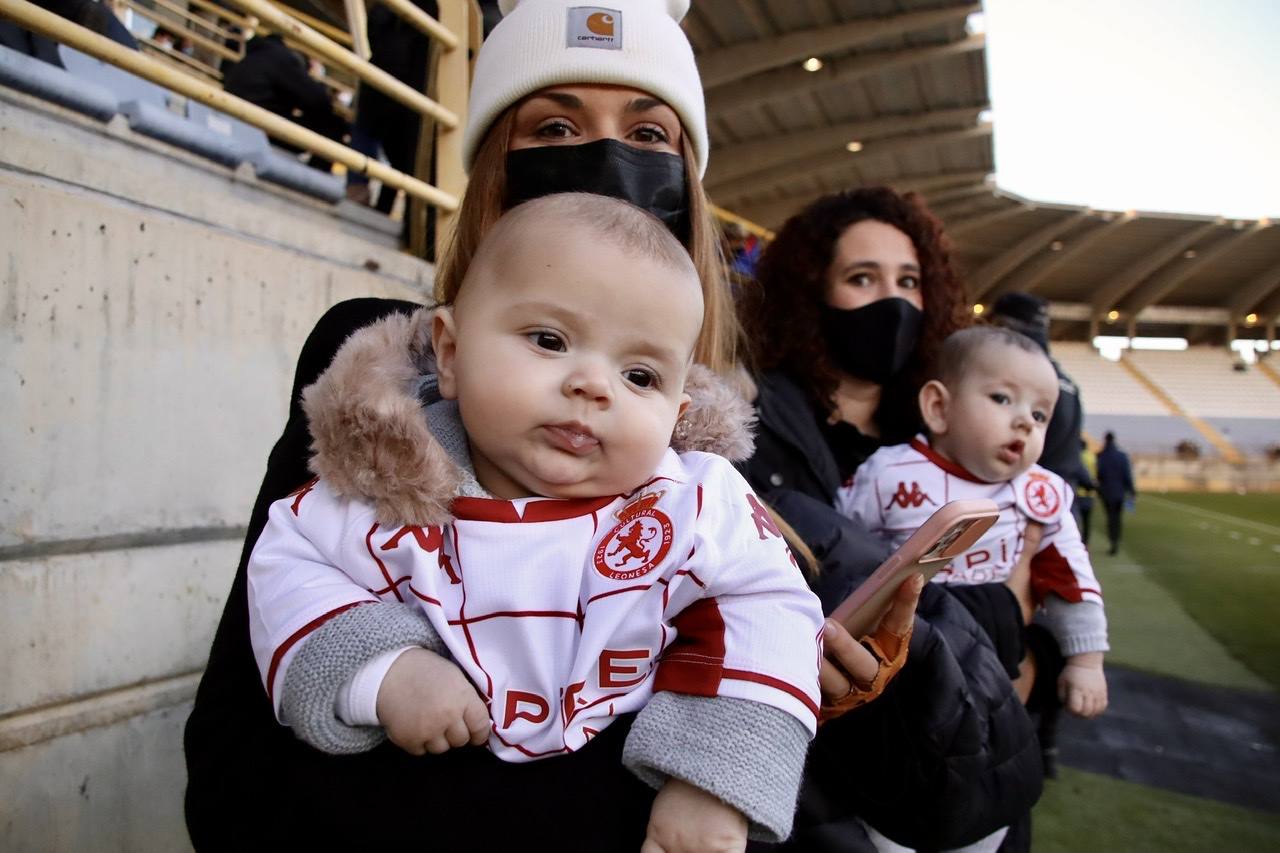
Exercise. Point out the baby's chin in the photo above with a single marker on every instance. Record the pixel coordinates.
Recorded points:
(995, 471)
(571, 488)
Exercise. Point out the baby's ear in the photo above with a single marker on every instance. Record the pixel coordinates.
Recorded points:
(685, 400)
(935, 401)
(444, 340)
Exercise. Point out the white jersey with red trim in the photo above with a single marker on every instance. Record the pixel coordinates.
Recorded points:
(564, 613)
(899, 487)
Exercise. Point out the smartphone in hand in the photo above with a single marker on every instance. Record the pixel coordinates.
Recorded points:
(950, 531)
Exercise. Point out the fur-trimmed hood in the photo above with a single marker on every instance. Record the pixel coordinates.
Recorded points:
(371, 440)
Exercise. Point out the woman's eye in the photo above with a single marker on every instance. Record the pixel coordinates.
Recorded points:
(641, 377)
(861, 279)
(555, 129)
(909, 282)
(650, 135)
(548, 341)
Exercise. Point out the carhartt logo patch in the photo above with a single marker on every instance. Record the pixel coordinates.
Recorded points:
(594, 26)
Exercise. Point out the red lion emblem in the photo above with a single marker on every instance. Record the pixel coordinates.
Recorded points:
(1042, 498)
(639, 542)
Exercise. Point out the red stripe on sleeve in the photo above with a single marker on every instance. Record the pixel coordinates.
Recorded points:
(775, 683)
(1051, 573)
(694, 663)
(298, 635)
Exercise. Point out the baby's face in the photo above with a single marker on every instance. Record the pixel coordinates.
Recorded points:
(568, 362)
(999, 411)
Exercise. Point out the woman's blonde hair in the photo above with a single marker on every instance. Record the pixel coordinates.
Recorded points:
(483, 204)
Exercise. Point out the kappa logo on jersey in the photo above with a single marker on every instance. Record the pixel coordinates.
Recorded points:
(639, 542)
(1042, 497)
(594, 26)
(431, 539)
(905, 499)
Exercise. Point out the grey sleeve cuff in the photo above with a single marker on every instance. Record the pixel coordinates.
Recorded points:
(331, 656)
(1079, 626)
(748, 754)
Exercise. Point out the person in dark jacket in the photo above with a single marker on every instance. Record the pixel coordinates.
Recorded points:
(87, 13)
(274, 77)
(1115, 485)
(402, 50)
(854, 296)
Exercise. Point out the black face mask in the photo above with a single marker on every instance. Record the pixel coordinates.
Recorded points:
(875, 341)
(651, 180)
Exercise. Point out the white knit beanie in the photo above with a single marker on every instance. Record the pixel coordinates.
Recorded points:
(540, 43)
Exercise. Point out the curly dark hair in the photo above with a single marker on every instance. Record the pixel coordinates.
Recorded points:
(792, 284)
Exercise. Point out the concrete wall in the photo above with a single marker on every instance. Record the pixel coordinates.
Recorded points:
(151, 311)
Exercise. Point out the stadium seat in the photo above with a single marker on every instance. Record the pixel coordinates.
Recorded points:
(35, 77)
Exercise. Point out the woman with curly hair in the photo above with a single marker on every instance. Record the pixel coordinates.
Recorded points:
(869, 269)
(854, 298)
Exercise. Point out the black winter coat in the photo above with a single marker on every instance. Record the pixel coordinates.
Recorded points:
(947, 754)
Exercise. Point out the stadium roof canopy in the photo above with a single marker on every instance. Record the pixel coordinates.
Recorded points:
(899, 99)
(897, 96)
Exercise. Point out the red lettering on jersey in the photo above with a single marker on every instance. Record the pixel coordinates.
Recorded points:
(589, 733)
(613, 669)
(1042, 497)
(515, 698)
(974, 558)
(431, 539)
(571, 701)
(764, 521)
(913, 498)
(301, 492)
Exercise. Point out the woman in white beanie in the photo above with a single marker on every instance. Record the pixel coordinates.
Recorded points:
(565, 98)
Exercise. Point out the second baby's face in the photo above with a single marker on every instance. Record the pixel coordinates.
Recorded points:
(568, 361)
(999, 412)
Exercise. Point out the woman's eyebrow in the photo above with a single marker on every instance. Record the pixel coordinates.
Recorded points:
(644, 104)
(564, 99)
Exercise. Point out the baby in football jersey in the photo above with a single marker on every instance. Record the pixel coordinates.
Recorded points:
(582, 569)
(986, 412)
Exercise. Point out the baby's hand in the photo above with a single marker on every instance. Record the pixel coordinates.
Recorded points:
(426, 704)
(685, 819)
(1082, 687)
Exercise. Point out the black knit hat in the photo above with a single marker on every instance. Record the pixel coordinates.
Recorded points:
(1025, 313)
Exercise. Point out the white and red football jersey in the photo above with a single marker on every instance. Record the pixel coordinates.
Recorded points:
(564, 613)
(899, 487)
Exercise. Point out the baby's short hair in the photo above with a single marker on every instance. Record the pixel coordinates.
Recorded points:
(612, 220)
(960, 348)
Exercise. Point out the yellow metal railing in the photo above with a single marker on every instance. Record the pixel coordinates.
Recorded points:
(453, 34)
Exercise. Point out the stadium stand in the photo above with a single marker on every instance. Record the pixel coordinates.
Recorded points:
(1114, 401)
(1243, 406)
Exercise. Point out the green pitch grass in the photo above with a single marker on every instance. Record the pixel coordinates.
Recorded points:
(1191, 594)
(1087, 812)
(1218, 559)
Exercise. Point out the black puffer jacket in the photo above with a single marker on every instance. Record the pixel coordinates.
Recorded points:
(947, 754)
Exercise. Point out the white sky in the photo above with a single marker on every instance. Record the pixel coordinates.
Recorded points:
(1158, 105)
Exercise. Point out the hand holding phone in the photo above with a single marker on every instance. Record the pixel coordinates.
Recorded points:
(950, 531)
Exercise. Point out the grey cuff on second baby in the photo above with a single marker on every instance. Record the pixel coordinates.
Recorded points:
(749, 754)
(332, 655)
(1078, 626)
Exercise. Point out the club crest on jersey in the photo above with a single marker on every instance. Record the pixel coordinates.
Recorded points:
(1042, 498)
(905, 499)
(639, 541)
